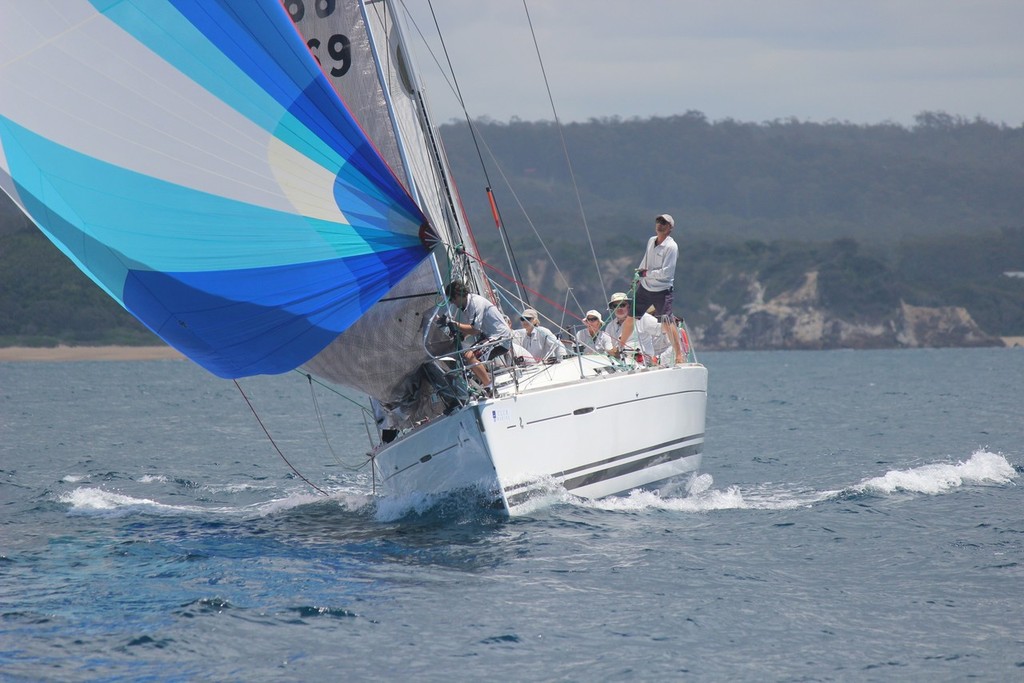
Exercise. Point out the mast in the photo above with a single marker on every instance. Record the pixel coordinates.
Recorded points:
(361, 50)
(432, 186)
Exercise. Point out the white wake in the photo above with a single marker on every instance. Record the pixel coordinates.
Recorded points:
(982, 468)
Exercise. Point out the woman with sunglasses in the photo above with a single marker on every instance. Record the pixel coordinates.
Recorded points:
(643, 329)
(592, 339)
(541, 342)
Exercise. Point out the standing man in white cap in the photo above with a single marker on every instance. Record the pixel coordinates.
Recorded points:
(657, 273)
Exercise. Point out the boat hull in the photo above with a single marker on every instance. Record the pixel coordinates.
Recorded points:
(596, 433)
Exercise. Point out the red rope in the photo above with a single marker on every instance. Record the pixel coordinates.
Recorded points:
(511, 279)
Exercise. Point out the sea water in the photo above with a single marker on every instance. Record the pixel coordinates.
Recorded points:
(858, 516)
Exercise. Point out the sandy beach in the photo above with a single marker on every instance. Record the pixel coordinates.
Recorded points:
(73, 353)
(14, 354)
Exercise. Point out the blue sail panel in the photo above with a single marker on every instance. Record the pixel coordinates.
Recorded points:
(271, 320)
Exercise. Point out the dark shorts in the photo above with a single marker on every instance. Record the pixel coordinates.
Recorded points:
(662, 302)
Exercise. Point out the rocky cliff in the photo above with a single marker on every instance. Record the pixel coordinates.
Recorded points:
(796, 319)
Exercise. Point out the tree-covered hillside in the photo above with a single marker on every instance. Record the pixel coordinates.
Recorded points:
(46, 300)
(931, 215)
(858, 281)
(779, 180)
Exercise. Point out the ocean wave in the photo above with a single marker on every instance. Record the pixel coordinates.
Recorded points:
(470, 502)
(760, 497)
(86, 500)
(89, 499)
(982, 468)
(345, 499)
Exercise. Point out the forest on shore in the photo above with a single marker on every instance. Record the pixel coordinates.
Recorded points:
(931, 214)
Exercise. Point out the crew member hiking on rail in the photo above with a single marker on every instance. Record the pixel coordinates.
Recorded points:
(494, 336)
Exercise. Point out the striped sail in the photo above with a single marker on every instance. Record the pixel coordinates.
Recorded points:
(191, 157)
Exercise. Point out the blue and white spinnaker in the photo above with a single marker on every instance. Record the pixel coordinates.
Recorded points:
(192, 159)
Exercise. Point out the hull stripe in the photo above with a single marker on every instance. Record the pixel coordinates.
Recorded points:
(624, 468)
(612, 472)
(634, 466)
(625, 456)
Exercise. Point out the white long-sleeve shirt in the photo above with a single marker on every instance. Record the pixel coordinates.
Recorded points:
(646, 333)
(601, 343)
(541, 343)
(660, 262)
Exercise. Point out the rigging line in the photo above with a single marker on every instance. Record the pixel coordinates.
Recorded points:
(323, 428)
(499, 223)
(568, 294)
(334, 390)
(478, 138)
(453, 83)
(320, 419)
(508, 277)
(529, 221)
(273, 443)
(454, 209)
(365, 414)
(565, 149)
(508, 297)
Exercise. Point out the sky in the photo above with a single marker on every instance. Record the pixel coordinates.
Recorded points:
(862, 61)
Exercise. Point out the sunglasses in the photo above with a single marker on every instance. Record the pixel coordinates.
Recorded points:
(624, 304)
(592, 319)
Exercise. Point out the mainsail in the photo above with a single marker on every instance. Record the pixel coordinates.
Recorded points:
(362, 51)
(191, 157)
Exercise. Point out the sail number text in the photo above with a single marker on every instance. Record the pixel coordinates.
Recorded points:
(339, 47)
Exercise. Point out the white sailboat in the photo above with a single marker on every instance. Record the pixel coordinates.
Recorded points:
(591, 424)
(259, 225)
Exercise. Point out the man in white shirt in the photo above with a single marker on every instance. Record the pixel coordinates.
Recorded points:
(592, 338)
(539, 341)
(657, 272)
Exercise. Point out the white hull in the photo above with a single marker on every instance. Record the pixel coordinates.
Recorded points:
(605, 433)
